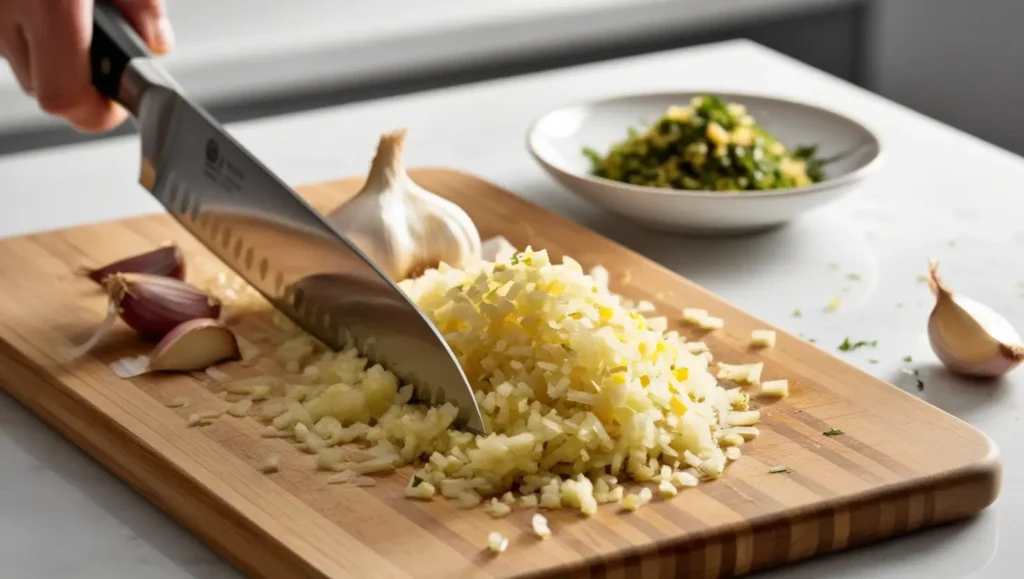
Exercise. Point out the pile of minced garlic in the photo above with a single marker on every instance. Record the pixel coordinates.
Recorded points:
(581, 393)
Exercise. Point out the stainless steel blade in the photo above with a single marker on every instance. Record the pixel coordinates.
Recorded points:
(264, 231)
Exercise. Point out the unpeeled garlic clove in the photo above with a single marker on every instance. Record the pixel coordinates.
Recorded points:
(191, 346)
(154, 305)
(151, 305)
(970, 338)
(166, 261)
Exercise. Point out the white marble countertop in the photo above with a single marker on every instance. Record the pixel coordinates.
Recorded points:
(942, 194)
(236, 51)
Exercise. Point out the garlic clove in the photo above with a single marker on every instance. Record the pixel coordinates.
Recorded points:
(968, 337)
(166, 261)
(154, 305)
(403, 228)
(195, 345)
(191, 346)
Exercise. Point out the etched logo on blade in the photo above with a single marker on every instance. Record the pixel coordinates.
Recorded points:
(212, 152)
(220, 170)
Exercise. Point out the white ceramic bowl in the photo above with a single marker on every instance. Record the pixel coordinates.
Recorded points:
(556, 141)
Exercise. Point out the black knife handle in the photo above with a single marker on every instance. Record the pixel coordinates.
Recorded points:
(114, 44)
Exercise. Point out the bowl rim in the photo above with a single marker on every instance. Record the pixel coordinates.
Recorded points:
(869, 168)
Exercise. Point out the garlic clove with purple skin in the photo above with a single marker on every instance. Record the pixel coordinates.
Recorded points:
(154, 305)
(166, 261)
(191, 346)
(968, 337)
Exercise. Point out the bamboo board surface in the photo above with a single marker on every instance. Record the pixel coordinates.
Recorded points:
(901, 464)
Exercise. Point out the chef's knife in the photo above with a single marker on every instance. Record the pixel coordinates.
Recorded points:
(260, 228)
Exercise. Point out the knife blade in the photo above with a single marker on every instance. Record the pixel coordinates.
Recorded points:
(264, 231)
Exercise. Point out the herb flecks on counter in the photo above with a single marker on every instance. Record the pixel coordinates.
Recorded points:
(708, 145)
(849, 346)
(833, 432)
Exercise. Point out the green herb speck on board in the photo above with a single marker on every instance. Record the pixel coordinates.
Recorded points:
(853, 276)
(797, 313)
(833, 432)
(908, 358)
(872, 360)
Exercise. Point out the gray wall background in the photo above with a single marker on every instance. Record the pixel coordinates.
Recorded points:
(959, 61)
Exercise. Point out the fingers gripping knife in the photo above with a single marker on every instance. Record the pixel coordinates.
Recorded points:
(260, 228)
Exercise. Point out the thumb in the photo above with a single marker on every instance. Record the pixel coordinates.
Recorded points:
(149, 17)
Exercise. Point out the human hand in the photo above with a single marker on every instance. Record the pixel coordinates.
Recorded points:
(46, 43)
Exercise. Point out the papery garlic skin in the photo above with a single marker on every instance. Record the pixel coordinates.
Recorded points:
(403, 228)
(968, 337)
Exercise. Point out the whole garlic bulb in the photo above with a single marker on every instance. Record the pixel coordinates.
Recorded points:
(403, 228)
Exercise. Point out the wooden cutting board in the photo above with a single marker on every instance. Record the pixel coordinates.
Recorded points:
(901, 464)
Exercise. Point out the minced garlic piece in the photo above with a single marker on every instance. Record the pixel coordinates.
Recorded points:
(241, 408)
(762, 338)
(422, 490)
(632, 502)
(744, 417)
(711, 323)
(667, 489)
(497, 542)
(271, 464)
(540, 526)
(694, 316)
(777, 388)
(497, 509)
(741, 373)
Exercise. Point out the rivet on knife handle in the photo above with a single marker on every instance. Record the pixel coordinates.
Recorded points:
(114, 44)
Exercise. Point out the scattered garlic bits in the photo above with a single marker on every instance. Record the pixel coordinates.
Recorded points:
(497, 542)
(271, 464)
(540, 526)
(741, 373)
(776, 388)
(762, 338)
(580, 393)
(702, 320)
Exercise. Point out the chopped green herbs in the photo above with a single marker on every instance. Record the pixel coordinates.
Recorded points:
(872, 360)
(908, 358)
(833, 432)
(710, 145)
(853, 276)
(848, 346)
(797, 313)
